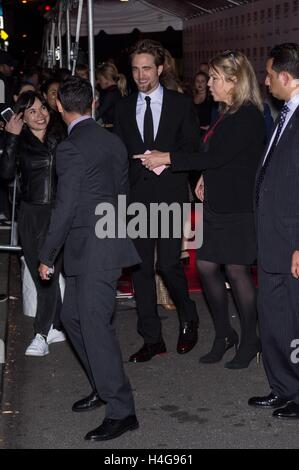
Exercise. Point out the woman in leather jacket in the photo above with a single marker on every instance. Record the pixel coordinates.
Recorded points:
(29, 153)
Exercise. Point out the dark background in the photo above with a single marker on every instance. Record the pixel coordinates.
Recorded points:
(28, 19)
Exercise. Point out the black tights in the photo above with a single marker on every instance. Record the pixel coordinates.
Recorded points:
(244, 293)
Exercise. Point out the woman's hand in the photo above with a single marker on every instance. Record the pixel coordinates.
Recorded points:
(295, 265)
(154, 159)
(200, 189)
(15, 124)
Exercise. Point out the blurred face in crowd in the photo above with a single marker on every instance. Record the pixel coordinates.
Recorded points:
(220, 88)
(200, 84)
(6, 70)
(51, 95)
(103, 81)
(145, 72)
(37, 117)
(82, 74)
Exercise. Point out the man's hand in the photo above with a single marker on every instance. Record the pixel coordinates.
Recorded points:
(295, 264)
(154, 159)
(200, 189)
(44, 272)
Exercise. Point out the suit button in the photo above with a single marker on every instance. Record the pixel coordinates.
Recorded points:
(145, 178)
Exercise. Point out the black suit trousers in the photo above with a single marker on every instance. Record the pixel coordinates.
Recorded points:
(170, 268)
(87, 314)
(278, 309)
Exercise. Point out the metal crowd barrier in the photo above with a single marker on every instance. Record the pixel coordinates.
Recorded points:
(13, 247)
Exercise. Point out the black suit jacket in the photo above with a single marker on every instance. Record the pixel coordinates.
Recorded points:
(178, 131)
(229, 161)
(92, 168)
(278, 212)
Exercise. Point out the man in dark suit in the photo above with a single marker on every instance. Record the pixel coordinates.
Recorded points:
(157, 118)
(277, 213)
(91, 169)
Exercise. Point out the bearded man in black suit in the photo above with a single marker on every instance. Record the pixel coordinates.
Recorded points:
(161, 119)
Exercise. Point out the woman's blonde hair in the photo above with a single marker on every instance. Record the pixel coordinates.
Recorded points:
(236, 68)
(110, 72)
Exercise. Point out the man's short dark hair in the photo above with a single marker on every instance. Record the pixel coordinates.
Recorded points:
(286, 58)
(148, 46)
(76, 95)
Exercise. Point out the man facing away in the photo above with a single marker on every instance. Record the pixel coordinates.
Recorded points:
(277, 214)
(91, 169)
(157, 118)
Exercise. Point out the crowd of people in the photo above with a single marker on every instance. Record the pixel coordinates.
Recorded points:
(144, 144)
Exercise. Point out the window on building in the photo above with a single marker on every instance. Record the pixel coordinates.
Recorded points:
(277, 11)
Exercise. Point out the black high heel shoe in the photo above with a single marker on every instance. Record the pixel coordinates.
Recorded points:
(244, 355)
(219, 348)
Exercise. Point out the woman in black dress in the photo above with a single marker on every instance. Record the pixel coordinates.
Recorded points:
(229, 158)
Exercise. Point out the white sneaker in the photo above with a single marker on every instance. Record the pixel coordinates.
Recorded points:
(37, 347)
(55, 336)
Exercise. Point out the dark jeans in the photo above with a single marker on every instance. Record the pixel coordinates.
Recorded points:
(33, 224)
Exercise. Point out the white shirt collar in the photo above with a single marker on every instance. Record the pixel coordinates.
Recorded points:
(156, 96)
(293, 102)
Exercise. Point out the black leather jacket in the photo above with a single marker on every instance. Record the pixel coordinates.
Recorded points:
(34, 163)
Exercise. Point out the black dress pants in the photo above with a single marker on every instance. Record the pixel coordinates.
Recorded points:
(33, 222)
(170, 268)
(87, 314)
(278, 315)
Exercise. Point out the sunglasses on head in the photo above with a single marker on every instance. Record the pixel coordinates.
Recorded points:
(231, 55)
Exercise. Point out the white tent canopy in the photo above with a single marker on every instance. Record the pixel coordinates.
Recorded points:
(124, 17)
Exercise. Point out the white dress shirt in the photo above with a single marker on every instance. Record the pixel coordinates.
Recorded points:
(292, 105)
(156, 107)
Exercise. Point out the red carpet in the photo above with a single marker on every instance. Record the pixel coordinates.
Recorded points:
(125, 284)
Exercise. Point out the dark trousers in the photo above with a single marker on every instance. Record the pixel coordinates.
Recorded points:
(33, 224)
(170, 268)
(87, 313)
(278, 310)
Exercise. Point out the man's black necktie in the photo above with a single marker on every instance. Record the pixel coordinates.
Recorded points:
(281, 120)
(148, 126)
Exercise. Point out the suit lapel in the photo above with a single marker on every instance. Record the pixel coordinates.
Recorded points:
(284, 137)
(292, 124)
(162, 128)
(132, 118)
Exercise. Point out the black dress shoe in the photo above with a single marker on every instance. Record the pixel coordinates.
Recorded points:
(148, 351)
(290, 411)
(270, 401)
(188, 337)
(89, 403)
(112, 428)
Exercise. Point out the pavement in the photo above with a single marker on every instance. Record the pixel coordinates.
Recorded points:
(180, 404)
